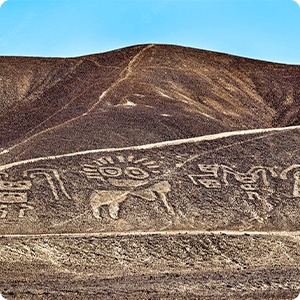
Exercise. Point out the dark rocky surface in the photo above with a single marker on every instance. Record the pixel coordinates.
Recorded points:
(136, 96)
(150, 172)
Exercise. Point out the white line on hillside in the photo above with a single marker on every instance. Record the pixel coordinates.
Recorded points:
(155, 145)
(294, 234)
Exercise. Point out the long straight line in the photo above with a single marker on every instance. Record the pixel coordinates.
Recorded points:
(151, 233)
(155, 145)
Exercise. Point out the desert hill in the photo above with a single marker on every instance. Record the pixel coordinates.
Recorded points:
(138, 95)
(149, 172)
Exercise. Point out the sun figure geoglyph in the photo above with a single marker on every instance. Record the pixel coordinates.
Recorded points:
(122, 171)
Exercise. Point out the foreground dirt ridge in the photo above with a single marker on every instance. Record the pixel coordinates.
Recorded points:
(170, 267)
(294, 234)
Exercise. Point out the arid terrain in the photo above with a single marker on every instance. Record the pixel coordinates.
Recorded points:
(149, 172)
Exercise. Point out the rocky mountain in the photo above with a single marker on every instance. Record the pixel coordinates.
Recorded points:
(138, 95)
(149, 172)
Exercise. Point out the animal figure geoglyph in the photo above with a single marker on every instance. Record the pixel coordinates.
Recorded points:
(113, 198)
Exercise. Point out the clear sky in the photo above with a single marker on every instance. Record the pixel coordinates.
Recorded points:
(262, 29)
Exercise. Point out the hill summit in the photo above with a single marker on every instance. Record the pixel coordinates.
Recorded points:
(138, 95)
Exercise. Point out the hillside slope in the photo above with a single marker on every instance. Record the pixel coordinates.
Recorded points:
(134, 174)
(138, 95)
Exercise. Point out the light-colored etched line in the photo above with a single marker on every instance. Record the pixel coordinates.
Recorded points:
(128, 71)
(106, 160)
(121, 159)
(98, 163)
(89, 166)
(90, 171)
(87, 173)
(96, 177)
(294, 234)
(62, 187)
(4, 175)
(130, 158)
(155, 145)
(194, 157)
(48, 178)
(149, 163)
(140, 160)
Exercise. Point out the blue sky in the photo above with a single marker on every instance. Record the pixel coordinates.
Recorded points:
(261, 29)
